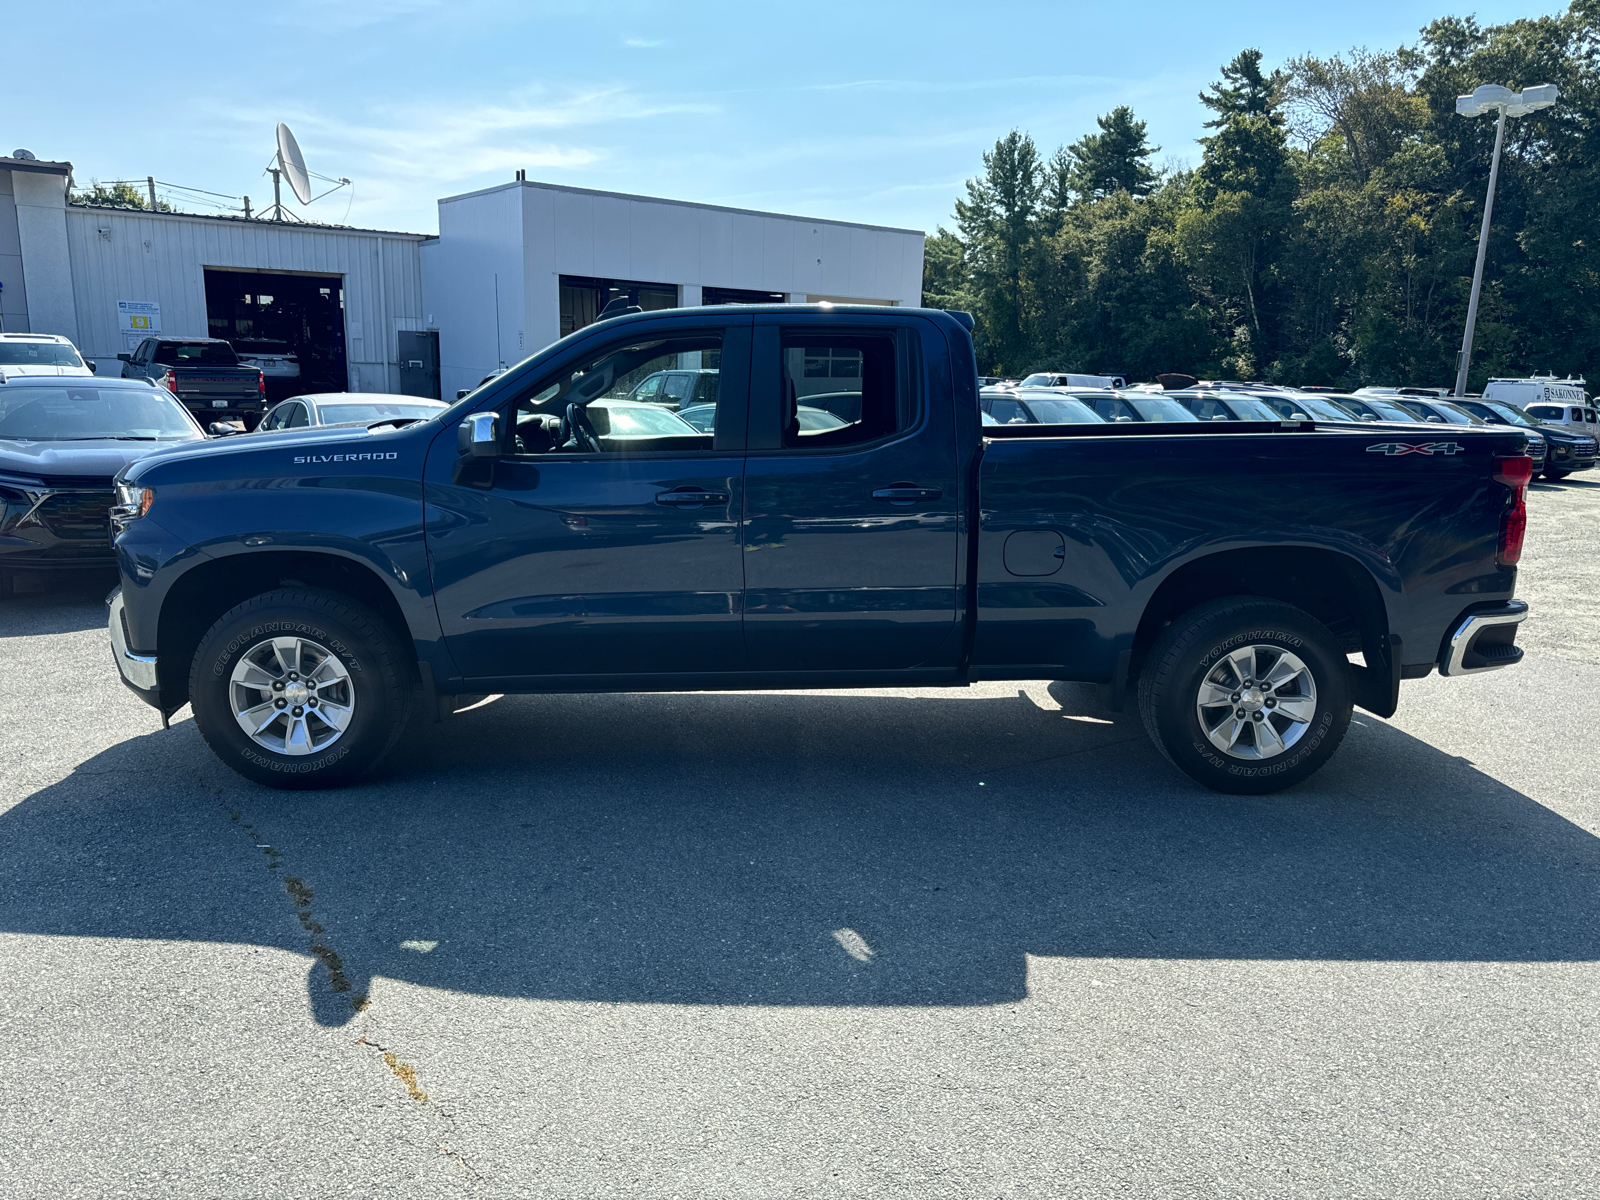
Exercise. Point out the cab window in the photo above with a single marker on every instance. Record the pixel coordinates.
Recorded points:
(839, 389)
(615, 402)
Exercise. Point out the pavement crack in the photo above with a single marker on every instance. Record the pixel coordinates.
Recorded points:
(303, 898)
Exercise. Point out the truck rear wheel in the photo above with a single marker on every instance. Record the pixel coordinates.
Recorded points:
(300, 688)
(1246, 695)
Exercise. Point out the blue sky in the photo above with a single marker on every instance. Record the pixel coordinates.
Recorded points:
(855, 111)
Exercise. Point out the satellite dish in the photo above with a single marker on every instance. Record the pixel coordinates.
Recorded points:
(293, 164)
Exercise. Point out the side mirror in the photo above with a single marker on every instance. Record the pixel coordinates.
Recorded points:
(124, 358)
(479, 435)
(94, 367)
(463, 393)
(221, 428)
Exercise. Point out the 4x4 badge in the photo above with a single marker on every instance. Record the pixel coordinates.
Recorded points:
(1429, 448)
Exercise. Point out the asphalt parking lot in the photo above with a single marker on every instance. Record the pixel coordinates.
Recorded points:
(926, 943)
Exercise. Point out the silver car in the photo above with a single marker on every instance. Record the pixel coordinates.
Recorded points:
(347, 408)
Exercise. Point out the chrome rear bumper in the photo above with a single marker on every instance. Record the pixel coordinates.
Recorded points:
(1484, 640)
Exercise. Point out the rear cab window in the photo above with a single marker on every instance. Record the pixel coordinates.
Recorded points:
(196, 354)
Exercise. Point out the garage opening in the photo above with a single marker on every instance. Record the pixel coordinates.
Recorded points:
(583, 299)
(289, 323)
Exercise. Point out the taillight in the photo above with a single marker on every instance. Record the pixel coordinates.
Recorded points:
(1515, 473)
(261, 386)
(170, 382)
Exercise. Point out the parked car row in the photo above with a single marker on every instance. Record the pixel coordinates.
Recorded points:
(1557, 448)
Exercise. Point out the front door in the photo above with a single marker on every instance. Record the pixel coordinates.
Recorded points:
(852, 504)
(606, 540)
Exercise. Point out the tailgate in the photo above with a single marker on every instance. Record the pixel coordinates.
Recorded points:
(205, 386)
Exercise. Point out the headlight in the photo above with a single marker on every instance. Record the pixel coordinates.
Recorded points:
(133, 501)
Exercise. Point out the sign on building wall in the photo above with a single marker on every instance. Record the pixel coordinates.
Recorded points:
(138, 319)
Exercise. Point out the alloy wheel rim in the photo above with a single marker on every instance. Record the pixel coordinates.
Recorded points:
(1256, 702)
(292, 696)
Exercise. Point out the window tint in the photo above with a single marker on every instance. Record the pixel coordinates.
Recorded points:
(207, 354)
(853, 377)
(1009, 412)
(1545, 412)
(1208, 409)
(1113, 409)
(603, 405)
(297, 417)
(675, 389)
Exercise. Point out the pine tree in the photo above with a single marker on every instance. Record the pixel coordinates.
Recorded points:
(1114, 159)
(1244, 91)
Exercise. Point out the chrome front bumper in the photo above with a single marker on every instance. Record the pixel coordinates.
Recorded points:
(1484, 641)
(138, 670)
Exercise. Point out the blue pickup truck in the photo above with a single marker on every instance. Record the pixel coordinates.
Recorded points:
(1245, 583)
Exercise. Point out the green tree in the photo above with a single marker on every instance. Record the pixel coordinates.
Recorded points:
(120, 194)
(1113, 160)
(996, 224)
(1243, 91)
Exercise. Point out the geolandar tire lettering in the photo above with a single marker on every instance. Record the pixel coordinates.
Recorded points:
(1246, 695)
(301, 688)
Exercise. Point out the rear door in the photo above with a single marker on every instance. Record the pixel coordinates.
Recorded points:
(852, 525)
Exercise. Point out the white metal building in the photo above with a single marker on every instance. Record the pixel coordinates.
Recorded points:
(512, 269)
(519, 265)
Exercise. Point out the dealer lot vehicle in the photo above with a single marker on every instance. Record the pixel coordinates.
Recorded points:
(1371, 408)
(301, 591)
(678, 389)
(1133, 407)
(345, 408)
(1035, 406)
(1559, 401)
(1066, 379)
(704, 418)
(204, 373)
(62, 441)
(1556, 451)
(40, 354)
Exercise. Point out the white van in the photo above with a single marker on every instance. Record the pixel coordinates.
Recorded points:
(1548, 399)
(1063, 379)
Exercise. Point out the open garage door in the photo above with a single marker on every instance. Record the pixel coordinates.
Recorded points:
(277, 313)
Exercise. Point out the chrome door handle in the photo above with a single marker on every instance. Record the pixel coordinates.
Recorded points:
(905, 493)
(687, 498)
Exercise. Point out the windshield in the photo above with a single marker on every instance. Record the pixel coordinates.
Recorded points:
(641, 420)
(1510, 412)
(1160, 409)
(84, 413)
(1063, 412)
(37, 354)
(1248, 408)
(1377, 410)
(1038, 380)
(196, 354)
(338, 414)
(1322, 410)
(1461, 415)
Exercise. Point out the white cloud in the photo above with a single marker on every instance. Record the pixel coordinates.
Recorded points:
(638, 43)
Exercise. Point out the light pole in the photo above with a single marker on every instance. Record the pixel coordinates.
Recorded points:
(1491, 97)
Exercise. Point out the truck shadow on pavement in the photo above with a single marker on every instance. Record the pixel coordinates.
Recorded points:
(794, 849)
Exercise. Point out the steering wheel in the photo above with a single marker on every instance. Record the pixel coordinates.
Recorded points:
(582, 429)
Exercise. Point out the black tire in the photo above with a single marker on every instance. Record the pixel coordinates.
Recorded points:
(1192, 649)
(1556, 475)
(375, 663)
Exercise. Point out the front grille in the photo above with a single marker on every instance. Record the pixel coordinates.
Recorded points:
(77, 516)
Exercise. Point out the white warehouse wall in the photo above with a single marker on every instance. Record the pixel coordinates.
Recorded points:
(529, 234)
(130, 254)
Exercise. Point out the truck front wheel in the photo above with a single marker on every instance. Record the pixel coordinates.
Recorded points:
(301, 688)
(1246, 695)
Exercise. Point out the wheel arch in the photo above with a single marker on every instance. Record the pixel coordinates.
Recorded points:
(211, 587)
(1333, 586)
